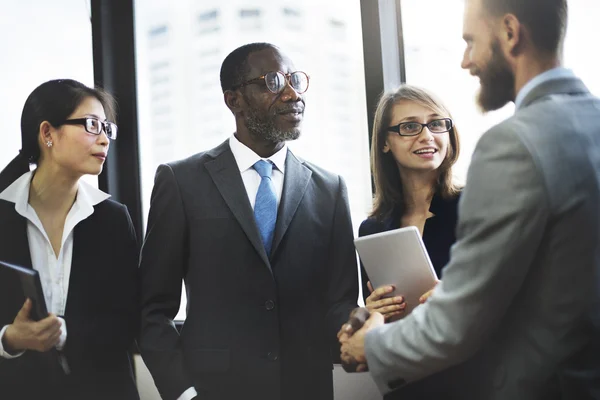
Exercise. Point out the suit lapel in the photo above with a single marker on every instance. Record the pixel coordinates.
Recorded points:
(295, 182)
(225, 174)
(14, 245)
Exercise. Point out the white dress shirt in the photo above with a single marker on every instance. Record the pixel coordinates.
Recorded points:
(54, 269)
(245, 159)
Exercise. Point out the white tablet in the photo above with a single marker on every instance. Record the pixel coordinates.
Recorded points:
(398, 257)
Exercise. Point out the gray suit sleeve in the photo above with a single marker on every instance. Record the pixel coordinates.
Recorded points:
(502, 214)
(161, 273)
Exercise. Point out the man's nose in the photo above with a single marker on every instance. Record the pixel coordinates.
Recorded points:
(466, 61)
(289, 93)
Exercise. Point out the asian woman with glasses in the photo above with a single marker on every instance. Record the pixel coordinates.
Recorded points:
(414, 146)
(83, 246)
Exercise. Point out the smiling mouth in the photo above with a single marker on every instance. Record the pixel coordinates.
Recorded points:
(425, 151)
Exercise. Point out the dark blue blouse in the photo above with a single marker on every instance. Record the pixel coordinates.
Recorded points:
(438, 237)
(438, 233)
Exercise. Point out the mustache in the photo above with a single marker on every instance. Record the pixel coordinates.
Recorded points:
(296, 108)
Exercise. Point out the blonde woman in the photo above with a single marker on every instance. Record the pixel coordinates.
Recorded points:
(414, 146)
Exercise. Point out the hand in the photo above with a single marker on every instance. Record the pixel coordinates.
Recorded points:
(426, 295)
(26, 334)
(390, 307)
(357, 319)
(353, 347)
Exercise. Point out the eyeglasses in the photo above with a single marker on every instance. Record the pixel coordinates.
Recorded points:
(415, 128)
(276, 81)
(95, 126)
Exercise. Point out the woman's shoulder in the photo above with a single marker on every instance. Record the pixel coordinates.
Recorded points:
(111, 215)
(370, 226)
(445, 204)
(109, 206)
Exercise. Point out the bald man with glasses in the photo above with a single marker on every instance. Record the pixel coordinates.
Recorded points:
(264, 242)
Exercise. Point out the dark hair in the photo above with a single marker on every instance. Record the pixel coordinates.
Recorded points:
(389, 191)
(53, 101)
(546, 20)
(235, 66)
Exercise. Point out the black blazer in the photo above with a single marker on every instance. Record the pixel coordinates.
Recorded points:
(101, 312)
(257, 327)
(438, 237)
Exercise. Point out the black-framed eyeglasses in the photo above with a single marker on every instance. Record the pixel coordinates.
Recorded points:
(276, 81)
(415, 128)
(94, 126)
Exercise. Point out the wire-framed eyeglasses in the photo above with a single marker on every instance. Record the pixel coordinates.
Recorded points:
(95, 126)
(415, 128)
(276, 81)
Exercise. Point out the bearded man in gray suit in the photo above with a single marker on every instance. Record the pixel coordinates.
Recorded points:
(520, 296)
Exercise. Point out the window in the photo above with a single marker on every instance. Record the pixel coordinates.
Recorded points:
(580, 54)
(425, 45)
(433, 55)
(33, 53)
(208, 21)
(333, 137)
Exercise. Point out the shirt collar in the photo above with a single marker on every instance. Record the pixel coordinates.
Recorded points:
(18, 193)
(246, 158)
(552, 74)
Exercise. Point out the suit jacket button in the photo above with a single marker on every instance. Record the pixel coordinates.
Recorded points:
(269, 305)
(272, 356)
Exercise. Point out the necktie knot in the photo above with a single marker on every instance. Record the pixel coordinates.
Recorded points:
(264, 168)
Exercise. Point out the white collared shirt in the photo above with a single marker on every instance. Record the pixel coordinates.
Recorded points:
(245, 159)
(551, 74)
(54, 269)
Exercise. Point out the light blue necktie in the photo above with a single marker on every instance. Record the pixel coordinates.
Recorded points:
(265, 207)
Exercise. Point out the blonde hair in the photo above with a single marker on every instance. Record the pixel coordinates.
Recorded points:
(388, 184)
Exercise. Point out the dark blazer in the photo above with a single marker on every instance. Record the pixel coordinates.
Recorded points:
(438, 233)
(438, 236)
(256, 327)
(101, 312)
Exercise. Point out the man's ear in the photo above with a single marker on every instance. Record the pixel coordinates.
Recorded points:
(233, 100)
(511, 34)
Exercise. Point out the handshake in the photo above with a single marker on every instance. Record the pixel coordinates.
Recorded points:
(352, 338)
(379, 310)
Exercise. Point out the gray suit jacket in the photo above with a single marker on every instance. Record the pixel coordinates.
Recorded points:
(257, 326)
(520, 295)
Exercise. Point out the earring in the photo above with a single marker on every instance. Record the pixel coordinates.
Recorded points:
(49, 143)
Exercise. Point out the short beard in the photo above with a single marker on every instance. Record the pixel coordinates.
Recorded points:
(497, 82)
(264, 128)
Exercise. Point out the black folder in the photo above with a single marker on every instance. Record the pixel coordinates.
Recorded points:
(32, 289)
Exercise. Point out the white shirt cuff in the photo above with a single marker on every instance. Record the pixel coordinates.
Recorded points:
(63, 334)
(188, 394)
(4, 353)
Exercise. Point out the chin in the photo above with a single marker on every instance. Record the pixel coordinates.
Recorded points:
(284, 135)
(428, 166)
(92, 171)
(491, 102)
